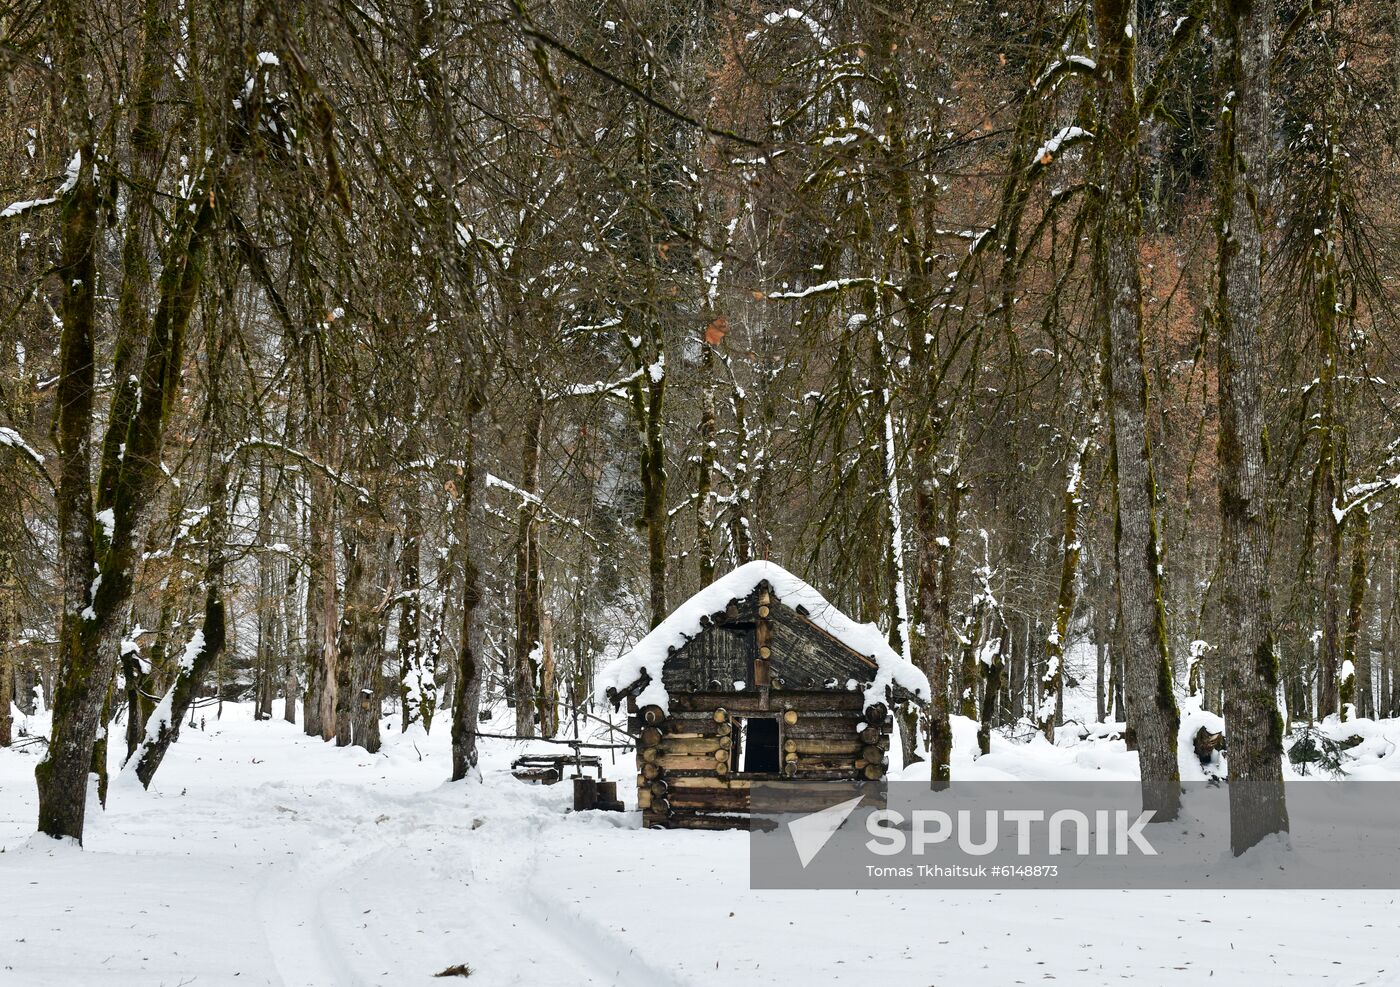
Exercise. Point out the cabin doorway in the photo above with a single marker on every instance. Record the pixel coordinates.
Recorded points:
(758, 749)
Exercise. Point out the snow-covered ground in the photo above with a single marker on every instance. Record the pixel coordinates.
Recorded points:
(266, 857)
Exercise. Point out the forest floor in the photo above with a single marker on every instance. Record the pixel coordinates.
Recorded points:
(262, 856)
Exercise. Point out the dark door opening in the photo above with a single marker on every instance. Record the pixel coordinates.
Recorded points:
(758, 745)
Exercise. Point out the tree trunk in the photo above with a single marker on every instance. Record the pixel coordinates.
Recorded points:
(895, 575)
(647, 399)
(466, 693)
(415, 703)
(203, 649)
(992, 675)
(1326, 265)
(62, 775)
(527, 576)
(1250, 662)
(1152, 712)
(9, 626)
(1101, 693)
(1054, 681)
(366, 547)
(740, 529)
(936, 541)
(319, 699)
(705, 471)
(1356, 658)
(267, 608)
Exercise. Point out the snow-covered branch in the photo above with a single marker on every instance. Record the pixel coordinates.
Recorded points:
(616, 388)
(70, 181)
(13, 440)
(302, 458)
(526, 497)
(827, 287)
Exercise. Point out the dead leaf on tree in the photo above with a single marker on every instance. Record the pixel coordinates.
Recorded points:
(716, 331)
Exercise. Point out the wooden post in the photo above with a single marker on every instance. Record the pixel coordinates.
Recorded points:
(586, 794)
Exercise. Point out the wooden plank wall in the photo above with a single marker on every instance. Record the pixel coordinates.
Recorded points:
(684, 775)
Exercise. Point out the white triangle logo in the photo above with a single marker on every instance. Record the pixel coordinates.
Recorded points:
(812, 832)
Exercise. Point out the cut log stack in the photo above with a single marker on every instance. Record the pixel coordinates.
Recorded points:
(763, 636)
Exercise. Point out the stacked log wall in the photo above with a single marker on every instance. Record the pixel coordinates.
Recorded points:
(685, 775)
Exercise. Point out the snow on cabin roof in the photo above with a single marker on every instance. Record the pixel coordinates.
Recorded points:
(650, 653)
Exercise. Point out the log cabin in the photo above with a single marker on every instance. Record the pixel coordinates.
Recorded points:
(757, 678)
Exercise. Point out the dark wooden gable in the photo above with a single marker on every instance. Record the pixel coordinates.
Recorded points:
(807, 657)
(803, 656)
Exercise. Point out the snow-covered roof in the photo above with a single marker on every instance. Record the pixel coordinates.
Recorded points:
(649, 655)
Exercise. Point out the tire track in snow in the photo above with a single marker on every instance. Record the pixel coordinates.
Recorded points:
(348, 911)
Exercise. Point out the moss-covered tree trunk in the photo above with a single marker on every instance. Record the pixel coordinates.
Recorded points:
(1326, 270)
(63, 773)
(1250, 663)
(98, 540)
(9, 627)
(206, 645)
(1070, 547)
(1151, 706)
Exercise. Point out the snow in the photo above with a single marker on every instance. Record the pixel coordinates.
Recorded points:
(892, 500)
(1081, 61)
(24, 205)
(9, 437)
(616, 388)
(793, 14)
(1193, 718)
(1053, 145)
(70, 175)
(70, 182)
(265, 857)
(108, 520)
(650, 653)
(88, 612)
(829, 286)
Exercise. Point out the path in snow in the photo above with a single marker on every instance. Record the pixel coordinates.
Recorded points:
(266, 857)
